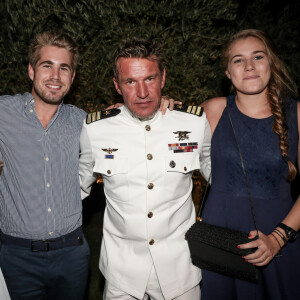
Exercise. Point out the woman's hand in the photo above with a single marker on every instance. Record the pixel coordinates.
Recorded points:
(167, 102)
(268, 246)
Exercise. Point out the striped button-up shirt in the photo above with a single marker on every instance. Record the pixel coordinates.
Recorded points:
(39, 184)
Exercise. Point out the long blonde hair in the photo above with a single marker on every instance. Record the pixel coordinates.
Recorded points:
(279, 86)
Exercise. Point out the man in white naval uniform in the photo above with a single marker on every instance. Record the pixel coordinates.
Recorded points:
(146, 160)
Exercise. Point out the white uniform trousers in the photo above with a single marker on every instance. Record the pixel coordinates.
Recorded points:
(153, 291)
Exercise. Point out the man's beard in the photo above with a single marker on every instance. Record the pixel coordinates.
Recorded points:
(54, 100)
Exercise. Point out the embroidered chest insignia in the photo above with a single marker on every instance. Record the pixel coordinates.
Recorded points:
(182, 135)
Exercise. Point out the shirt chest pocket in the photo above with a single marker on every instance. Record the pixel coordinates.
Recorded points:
(114, 172)
(111, 166)
(181, 163)
(179, 169)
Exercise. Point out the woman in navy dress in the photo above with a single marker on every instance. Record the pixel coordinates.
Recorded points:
(267, 128)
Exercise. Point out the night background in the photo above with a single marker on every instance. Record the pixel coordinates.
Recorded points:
(191, 31)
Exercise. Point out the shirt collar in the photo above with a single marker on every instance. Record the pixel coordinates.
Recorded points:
(29, 106)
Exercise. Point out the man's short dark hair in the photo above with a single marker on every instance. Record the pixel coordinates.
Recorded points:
(139, 48)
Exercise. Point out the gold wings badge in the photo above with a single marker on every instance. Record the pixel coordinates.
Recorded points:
(109, 151)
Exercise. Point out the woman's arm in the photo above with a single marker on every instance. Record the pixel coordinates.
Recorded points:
(293, 218)
(214, 108)
(270, 245)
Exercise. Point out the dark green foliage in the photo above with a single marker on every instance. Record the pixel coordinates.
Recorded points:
(191, 31)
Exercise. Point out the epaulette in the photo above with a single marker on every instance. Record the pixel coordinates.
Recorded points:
(102, 114)
(191, 109)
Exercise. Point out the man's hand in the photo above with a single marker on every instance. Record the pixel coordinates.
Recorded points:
(167, 102)
(117, 105)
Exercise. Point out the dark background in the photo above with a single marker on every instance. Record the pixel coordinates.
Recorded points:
(191, 31)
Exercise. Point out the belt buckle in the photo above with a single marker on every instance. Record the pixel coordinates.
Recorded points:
(40, 241)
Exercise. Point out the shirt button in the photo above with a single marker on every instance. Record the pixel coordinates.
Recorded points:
(108, 171)
(150, 214)
(49, 209)
(48, 184)
(149, 156)
(47, 158)
(151, 242)
(45, 133)
(172, 164)
(148, 127)
(31, 110)
(150, 186)
(51, 232)
(185, 168)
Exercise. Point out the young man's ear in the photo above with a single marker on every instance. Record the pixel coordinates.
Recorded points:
(30, 72)
(117, 86)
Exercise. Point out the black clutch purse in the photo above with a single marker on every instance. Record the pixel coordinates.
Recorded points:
(214, 248)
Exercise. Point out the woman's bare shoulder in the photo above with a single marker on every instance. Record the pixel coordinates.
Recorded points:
(214, 104)
(214, 108)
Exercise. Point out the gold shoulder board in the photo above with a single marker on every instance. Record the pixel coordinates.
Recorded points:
(102, 114)
(191, 109)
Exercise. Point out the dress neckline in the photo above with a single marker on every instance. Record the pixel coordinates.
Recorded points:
(235, 107)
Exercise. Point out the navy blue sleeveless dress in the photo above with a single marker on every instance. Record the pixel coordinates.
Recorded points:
(228, 205)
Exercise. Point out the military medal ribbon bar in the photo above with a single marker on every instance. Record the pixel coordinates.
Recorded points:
(183, 147)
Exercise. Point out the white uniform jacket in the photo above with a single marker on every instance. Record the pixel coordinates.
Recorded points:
(147, 173)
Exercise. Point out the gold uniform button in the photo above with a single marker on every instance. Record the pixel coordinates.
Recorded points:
(150, 186)
(108, 172)
(148, 127)
(184, 168)
(150, 214)
(151, 242)
(149, 156)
